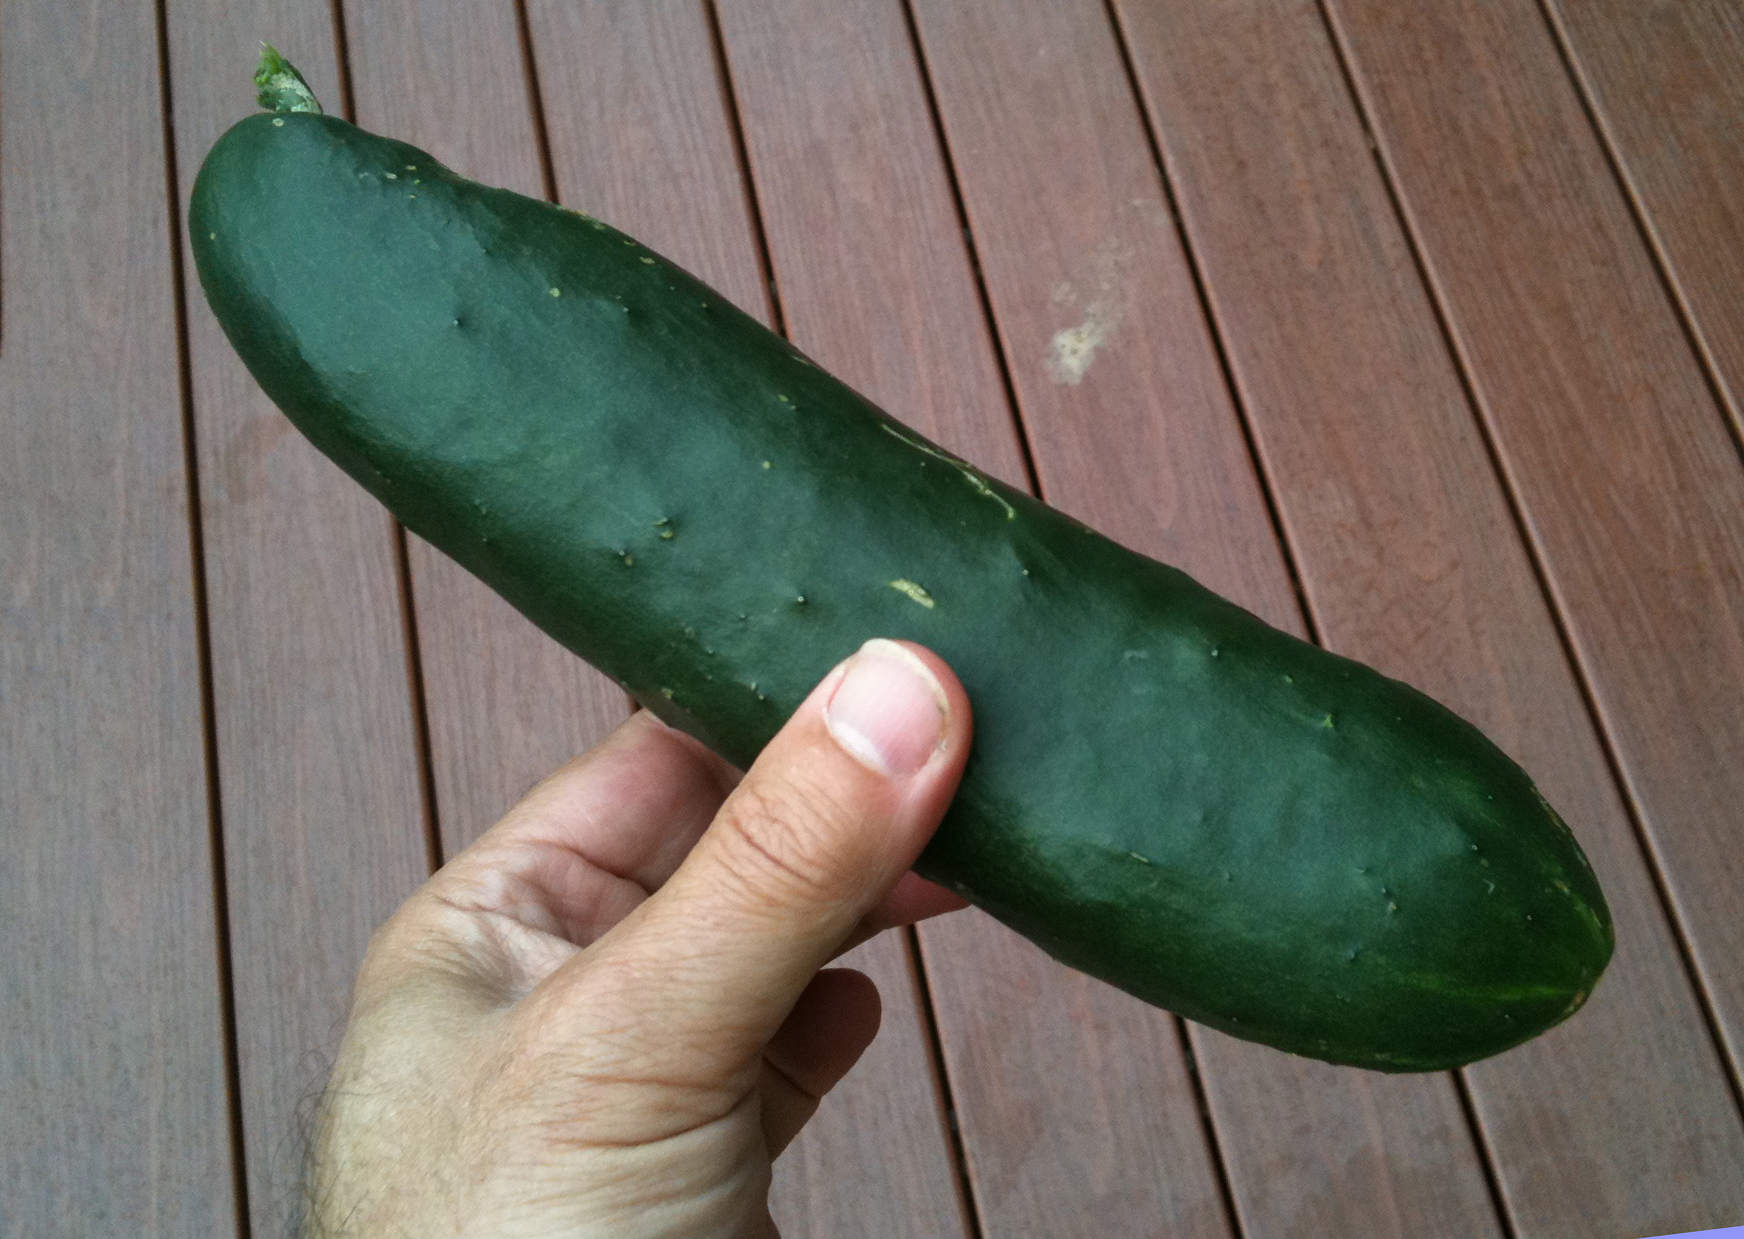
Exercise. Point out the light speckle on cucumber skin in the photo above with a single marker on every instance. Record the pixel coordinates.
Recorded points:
(918, 593)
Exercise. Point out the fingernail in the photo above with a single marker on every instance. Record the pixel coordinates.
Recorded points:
(889, 711)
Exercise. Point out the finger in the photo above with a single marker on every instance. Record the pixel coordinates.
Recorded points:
(826, 821)
(633, 805)
(577, 855)
(912, 899)
(830, 1027)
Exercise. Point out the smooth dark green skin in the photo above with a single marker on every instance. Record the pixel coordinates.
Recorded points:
(1164, 791)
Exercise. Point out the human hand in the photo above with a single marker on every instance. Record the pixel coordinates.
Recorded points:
(606, 1017)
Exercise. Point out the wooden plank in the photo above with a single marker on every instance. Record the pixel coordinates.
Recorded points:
(642, 136)
(1063, 193)
(876, 285)
(1621, 464)
(1620, 1122)
(505, 704)
(1663, 80)
(871, 264)
(871, 1161)
(317, 750)
(1077, 1114)
(113, 1110)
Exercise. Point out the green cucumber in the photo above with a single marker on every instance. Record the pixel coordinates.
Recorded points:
(1164, 791)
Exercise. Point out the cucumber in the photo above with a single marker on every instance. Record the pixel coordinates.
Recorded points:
(1164, 791)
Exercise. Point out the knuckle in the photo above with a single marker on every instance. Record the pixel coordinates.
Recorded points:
(788, 838)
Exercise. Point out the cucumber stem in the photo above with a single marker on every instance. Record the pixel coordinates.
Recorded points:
(282, 88)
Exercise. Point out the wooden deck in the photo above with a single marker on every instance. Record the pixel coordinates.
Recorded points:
(1416, 328)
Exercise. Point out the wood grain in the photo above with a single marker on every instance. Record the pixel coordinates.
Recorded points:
(113, 1110)
(1620, 1121)
(317, 751)
(505, 704)
(858, 1168)
(1663, 80)
(1627, 480)
(1055, 167)
(1077, 1111)
(642, 134)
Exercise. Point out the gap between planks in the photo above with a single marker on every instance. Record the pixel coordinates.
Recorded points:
(1650, 237)
(202, 631)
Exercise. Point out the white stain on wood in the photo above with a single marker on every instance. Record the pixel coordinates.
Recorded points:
(1100, 301)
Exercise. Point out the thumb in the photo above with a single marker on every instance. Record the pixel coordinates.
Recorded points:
(830, 815)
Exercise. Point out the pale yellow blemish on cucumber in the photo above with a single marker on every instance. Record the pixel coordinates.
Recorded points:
(556, 292)
(648, 260)
(278, 122)
(904, 586)
(392, 176)
(969, 475)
